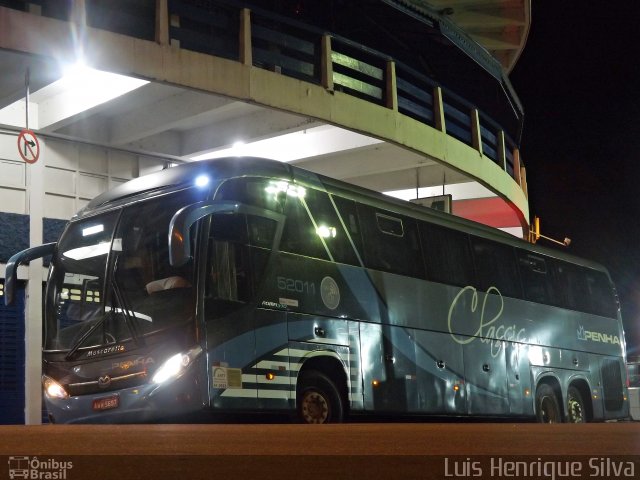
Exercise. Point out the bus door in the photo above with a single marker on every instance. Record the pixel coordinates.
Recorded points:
(246, 342)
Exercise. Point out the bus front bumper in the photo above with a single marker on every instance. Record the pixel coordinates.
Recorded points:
(147, 403)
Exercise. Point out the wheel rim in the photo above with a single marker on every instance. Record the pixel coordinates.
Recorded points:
(548, 410)
(576, 412)
(315, 408)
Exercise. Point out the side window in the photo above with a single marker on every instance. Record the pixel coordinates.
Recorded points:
(299, 234)
(496, 267)
(391, 242)
(447, 255)
(603, 301)
(257, 191)
(228, 264)
(329, 227)
(349, 213)
(585, 290)
(536, 278)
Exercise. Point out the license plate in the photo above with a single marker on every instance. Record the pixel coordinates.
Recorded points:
(106, 403)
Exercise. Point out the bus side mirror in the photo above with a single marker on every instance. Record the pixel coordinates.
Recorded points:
(25, 256)
(181, 223)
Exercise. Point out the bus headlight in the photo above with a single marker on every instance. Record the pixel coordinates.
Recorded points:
(53, 389)
(175, 366)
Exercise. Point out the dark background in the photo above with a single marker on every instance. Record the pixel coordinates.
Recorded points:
(579, 81)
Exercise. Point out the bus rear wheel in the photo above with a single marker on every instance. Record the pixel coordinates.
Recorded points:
(547, 406)
(319, 400)
(575, 406)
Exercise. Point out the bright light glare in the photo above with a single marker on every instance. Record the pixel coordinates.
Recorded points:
(326, 232)
(90, 251)
(296, 191)
(52, 388)
(92, 230)
(175, 365)
(171, 368)
(80, 89)
(313, 141)
(202, 181)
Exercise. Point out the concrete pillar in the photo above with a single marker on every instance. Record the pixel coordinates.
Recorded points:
(246, 55)
(33, 301)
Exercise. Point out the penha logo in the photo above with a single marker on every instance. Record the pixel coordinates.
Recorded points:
(588, 336)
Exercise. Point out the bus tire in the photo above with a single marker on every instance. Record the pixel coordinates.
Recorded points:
(319, 400)
(547, 406)
(576, 412)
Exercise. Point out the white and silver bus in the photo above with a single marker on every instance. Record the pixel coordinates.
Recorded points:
(247, 285)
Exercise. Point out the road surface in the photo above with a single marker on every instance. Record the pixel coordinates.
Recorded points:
(353, 451)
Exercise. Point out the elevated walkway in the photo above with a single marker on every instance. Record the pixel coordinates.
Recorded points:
(217, 68)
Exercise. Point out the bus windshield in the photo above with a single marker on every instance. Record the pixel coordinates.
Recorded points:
(111, 280)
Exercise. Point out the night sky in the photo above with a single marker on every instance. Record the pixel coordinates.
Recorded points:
(579, 81)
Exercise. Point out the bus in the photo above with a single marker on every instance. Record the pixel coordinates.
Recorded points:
(249, 285)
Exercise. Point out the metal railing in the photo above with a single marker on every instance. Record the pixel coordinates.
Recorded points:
(261, 38)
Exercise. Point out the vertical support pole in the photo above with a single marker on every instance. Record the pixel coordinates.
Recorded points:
(523, 179)
(391, 94)
(162, 22)
(516, 166)
(438, 110)
(246, 55)
(476, 135)
(174, 21)
(33, 301)
(79, 13)
(502, 150)
(326, 64)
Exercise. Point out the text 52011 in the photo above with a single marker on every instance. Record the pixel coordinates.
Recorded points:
(296, 286)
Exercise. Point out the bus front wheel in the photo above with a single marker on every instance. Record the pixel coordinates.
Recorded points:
(319, 400)
(547, 406)
(575, 406)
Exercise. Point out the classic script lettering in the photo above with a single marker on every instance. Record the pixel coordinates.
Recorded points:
(483, 321)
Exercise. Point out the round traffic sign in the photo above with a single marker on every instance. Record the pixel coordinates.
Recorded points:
(28, 146)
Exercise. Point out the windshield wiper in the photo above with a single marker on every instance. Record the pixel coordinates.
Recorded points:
(129, 319)
(85, 336)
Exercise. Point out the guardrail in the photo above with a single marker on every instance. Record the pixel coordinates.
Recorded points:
(263, 39)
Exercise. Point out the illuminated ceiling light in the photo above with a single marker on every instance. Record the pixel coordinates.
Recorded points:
(80, 88)
(293, 146)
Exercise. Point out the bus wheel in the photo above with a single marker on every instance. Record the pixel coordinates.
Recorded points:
(318, 399)
(575, 406)
(547, 407)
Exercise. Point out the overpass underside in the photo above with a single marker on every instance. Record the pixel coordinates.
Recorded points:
(221, 79)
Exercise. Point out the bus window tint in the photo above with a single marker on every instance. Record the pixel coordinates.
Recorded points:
(584, 290)
(536, 282)
(299, 234)
(349, 214)
(496, 267)
(390, 242)
(234, 260)
(447, 255)
(601, 293)
(329, 227)
(259, 192)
